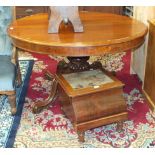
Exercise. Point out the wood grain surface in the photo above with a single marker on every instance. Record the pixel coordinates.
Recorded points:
(103, 33)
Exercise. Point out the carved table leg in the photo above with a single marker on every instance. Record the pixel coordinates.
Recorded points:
(12, 101)
(38, 106)
(81, 136)
(76, 64)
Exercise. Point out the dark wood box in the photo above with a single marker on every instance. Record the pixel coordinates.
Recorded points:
(92, 106)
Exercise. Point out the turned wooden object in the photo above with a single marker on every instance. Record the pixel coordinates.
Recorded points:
(64, 14)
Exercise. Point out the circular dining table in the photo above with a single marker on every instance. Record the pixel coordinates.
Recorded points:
(103, 33)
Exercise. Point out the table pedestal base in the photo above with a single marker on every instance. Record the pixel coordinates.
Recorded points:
(75, 64)
(78, 64)
(39, 105)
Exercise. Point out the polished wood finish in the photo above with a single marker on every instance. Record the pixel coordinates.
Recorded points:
(103, 121)
(39, 105)
(104, 33)
(77, 64)
(92, 107)
(79, 92)
(149, 80)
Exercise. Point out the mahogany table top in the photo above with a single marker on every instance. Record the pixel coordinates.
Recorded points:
(103, 33)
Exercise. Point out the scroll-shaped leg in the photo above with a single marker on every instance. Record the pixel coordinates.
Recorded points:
(38, 106)
(12, 101)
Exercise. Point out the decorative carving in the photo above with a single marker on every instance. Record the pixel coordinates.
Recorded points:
(76, 64)
(65, 14)
(38, 106)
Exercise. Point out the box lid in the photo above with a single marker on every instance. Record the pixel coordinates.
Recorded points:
(85, 82)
